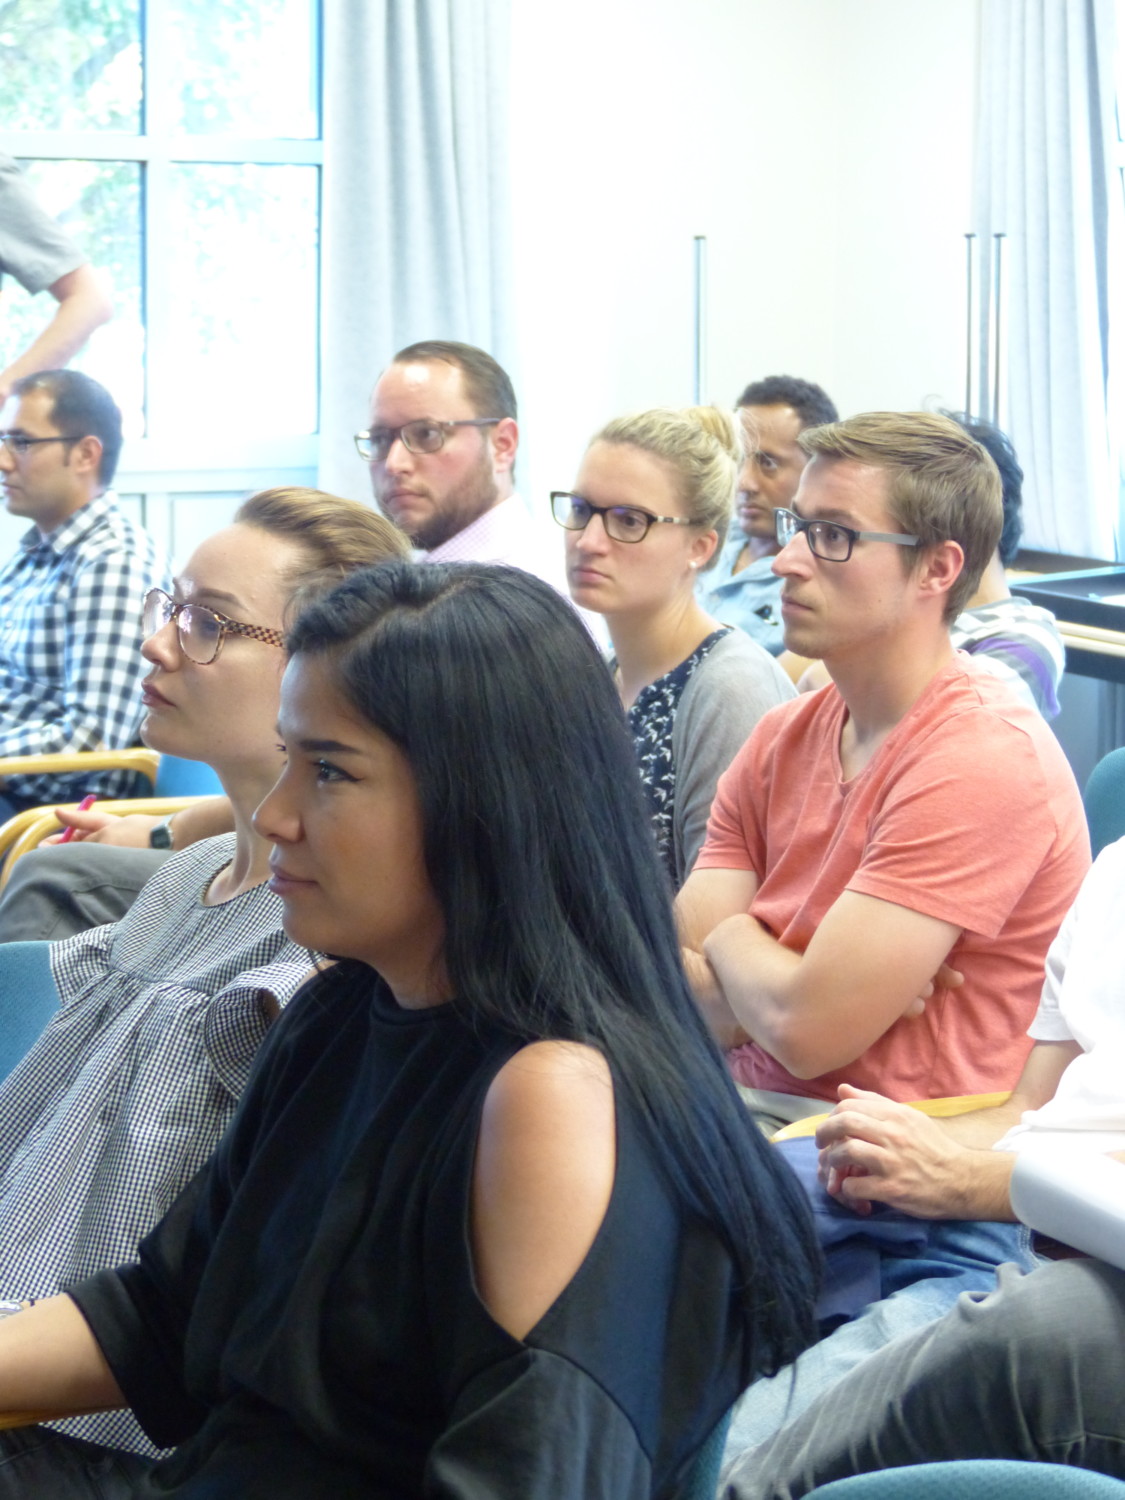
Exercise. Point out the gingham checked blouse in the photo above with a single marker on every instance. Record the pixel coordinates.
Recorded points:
(130, 1086)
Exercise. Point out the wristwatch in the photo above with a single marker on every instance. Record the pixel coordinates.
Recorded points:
(160, 835)
(8, 1308)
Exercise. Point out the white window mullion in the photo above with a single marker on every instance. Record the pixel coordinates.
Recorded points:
(158, 290)
(174, 445)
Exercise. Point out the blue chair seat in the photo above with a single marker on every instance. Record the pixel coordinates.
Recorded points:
(185, 778)
(28, 999)
(1104, 800)
(975, 1479)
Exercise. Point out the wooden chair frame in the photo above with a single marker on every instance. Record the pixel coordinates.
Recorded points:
(27, 830)
(955, 1104)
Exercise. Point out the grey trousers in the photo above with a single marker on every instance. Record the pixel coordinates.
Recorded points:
(38, 1464)
(1034, 1370)
(56, 892)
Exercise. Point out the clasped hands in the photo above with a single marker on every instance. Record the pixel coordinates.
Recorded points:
(873, 1150)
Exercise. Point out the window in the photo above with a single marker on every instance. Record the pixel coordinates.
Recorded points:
(1115, 398)
(181, 145)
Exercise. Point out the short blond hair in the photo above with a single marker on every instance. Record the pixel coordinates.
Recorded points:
(943, 487)
(702, 447)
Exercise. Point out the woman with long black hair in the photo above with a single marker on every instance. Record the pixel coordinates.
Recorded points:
(492, 1220)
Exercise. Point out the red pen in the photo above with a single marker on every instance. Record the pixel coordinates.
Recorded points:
(84, 806)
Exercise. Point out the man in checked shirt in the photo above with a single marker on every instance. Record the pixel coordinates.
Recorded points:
(70, 597)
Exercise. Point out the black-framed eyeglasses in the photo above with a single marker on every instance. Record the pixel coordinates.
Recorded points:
(623, 523)
(427, 435)
(830, 541)
(201, 631)
(17, 443)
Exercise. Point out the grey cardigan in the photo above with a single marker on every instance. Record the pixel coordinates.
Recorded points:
(725, 696)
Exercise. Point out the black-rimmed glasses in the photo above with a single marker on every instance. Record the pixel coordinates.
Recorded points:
(830, 541)
(427, 435)
(201, 631)
(17, 443)
(623, 523)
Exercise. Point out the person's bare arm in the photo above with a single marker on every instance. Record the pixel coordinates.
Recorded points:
(199, 820)
(873, 1150)
(707, 898)
(542, 1179)
(816, 1011)
(83, 305)
(50, 1361)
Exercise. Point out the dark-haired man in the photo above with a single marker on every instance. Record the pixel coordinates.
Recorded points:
(911, 814)
(441, 448)
(1016, 640)
(742, 588)
(70, 598)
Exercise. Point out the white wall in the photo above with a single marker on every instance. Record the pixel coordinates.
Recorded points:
(823, 146)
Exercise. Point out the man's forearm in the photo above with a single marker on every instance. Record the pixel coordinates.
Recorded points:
(982, 1128)
(83, 306)
(721, 1021)
(753, 972)
(969, 1183)
(867, 966)
(873, 1150)
(981, 1189)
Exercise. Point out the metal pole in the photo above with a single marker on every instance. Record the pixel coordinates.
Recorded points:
(700, 273)
(970, 246)
(998, 320)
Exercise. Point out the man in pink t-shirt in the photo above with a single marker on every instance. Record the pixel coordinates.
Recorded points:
(907, 824)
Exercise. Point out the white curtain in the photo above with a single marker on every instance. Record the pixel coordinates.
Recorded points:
(1046, 178)
(415, 201)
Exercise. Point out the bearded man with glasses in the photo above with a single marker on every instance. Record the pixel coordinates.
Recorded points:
(70, 619)
(441, 450)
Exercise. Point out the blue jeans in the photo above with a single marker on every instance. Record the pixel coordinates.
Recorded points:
(1034, 1371)
(898, 1273)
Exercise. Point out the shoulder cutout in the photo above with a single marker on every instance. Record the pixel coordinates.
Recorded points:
(542, 1179)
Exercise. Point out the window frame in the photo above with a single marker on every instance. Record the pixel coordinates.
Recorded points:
(157, 464)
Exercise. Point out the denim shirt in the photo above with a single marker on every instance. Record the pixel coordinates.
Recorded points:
(750, 599)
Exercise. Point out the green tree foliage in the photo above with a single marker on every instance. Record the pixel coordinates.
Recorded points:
(70, 65)
(239, 240)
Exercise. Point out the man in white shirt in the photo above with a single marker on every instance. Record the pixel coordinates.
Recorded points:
(1022, 1373)
(442, 449)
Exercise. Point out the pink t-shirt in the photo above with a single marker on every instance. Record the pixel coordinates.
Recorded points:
(968, 812)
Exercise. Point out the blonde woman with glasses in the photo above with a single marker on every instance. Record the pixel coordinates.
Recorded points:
(649, 510)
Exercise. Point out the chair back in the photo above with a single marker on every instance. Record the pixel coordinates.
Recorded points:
(975, 1479)
(1104, 800)
(28, 999)
(185, 778)
(703, 1481)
